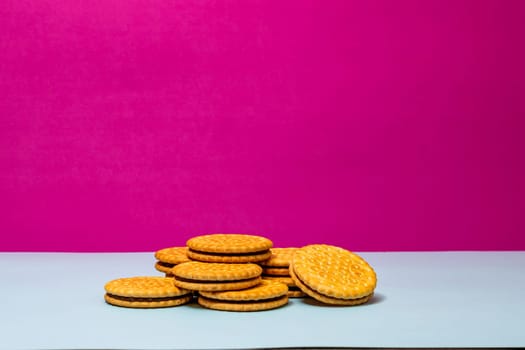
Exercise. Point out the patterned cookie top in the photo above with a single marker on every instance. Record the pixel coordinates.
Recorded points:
(334, 271)
(144, 287)
(264, 290)
(201, 271)
(281, 257)
(229, 243)
(173, 255)
(326, 299)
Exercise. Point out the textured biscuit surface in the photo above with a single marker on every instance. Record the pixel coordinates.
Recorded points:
(237, 306)
(219, 258)
(173, 255)
(281, 257)
(148, 304)
(229, 243)
(264, 290)
(276, 271)
(144, 287)
(216, 285)
(326, 299)
(296, 294)
(201, 271)
(282, 279)
(333, 272)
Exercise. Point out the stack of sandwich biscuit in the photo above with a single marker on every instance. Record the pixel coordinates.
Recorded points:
(236, 272)
(225, 275)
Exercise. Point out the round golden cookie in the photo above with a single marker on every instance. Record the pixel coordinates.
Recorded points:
(232, 258)
(144, 287)
(280, 257)
(145, 292)
(264, 290)
(216, 285)
(276, 271)
(173, 255)
(229, 243)
(333, 271)
(201, 271)
(329, 300)
(242, 306)
(282, 279)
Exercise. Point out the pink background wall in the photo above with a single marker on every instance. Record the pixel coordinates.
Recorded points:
(133, 124)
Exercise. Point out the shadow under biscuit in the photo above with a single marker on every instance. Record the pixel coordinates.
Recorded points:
(376, 299)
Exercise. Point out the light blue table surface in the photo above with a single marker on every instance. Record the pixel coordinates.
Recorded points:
(440, 299)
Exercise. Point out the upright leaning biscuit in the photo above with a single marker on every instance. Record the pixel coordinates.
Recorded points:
(229, 248)
(333, 275)
(200, 276)
(264, 296)
(145, 292)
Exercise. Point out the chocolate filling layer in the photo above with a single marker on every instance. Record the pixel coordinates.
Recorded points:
(135, 299)
(230, 254)
(168, 265)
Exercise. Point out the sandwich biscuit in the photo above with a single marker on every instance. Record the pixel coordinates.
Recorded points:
(145, 292)
(200, 276)
(229, 248)
(264, 296)
(333, 275)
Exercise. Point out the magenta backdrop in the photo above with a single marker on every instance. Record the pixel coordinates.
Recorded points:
(132, 125)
